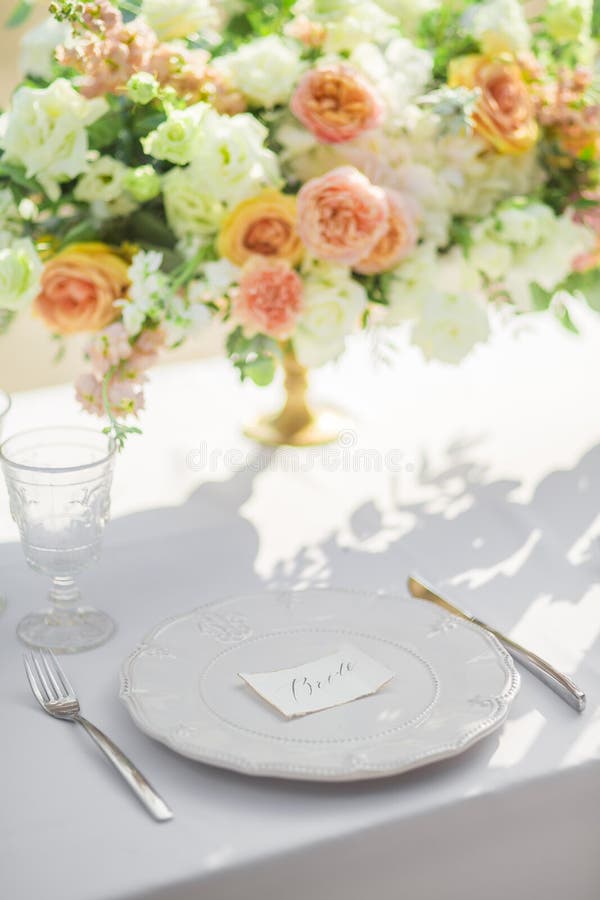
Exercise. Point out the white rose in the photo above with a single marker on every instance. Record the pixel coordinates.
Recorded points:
(38, 46)
(176, 139)
(525, 226)
(232, 162)
(333, 304)
(191, 207)
(179, 18)
(102, 181)
(265, 70)
(20, 271)
(491, 258)
(450, 325)
(46, 132)
(499, 26)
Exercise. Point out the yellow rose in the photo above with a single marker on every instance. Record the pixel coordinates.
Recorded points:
(264, 225)
(504, 113)
(79, 287)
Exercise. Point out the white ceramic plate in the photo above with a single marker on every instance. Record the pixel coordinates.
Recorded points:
(453, 684)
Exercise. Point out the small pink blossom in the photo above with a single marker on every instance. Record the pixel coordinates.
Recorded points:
(269, 299)
(146, 350)
(342, 216)
(126, 398)
(88, 391)
(108, 51)
(336, 103)
(108, 348)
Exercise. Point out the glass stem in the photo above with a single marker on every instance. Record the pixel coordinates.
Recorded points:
(64, 593)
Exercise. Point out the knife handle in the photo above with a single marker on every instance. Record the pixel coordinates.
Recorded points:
(555, 680)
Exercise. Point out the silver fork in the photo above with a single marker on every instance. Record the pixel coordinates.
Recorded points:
(54, 693)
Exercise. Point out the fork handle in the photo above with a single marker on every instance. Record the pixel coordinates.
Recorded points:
(143, 790)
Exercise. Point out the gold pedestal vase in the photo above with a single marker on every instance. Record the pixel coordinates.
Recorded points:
(297, 424)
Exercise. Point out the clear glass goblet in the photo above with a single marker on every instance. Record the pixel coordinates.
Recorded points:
(4, 408)
(59, 482)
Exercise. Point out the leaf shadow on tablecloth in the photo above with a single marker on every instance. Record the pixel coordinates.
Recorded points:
(530, 568)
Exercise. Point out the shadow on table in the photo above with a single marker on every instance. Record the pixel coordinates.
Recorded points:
(504, 558)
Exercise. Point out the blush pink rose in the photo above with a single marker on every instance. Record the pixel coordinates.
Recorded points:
(342, 216)
(399, 240)
(269, 298)
(336, 103)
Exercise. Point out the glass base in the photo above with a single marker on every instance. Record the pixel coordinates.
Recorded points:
(66, 631)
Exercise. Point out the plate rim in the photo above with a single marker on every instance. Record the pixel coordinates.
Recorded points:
(495, 719)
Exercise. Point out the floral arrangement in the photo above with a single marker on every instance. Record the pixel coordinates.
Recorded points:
(297, 170)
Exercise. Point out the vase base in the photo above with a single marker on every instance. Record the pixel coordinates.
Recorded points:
(325, 427)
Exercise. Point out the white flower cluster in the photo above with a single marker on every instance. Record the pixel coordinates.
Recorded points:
(266, 70)
(527, 243)
(150, 297)
(443, 300)
(333, 305)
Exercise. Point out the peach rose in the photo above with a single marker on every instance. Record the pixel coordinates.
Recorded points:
(264, 225)
(504, 114)
(336, 103)
(342, 216)
(269, 298)
(398, 241)
(79, 288)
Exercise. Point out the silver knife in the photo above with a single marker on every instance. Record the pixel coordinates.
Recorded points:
(556, 681)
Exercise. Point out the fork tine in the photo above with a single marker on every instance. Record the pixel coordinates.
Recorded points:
(41, 676)
(60, 674)
(33, 683)
(47, 664)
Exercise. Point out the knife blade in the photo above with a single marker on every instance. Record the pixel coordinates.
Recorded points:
(561, 684)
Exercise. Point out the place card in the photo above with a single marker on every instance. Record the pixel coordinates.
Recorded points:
(333, 680)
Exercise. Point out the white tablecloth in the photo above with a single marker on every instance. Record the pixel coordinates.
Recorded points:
(486, 479)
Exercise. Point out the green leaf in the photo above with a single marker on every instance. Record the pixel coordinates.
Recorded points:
(17, 175)
(6, 317)
(588, 284)
(596, 19)
(20, 13)
(105, 130)
(261, 370)
(541, 298)
(148, 227)
(82, 231)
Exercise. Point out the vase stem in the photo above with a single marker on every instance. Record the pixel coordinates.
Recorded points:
(297, 424)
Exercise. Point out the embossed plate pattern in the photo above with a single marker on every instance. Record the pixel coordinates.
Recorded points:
(453, 684)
